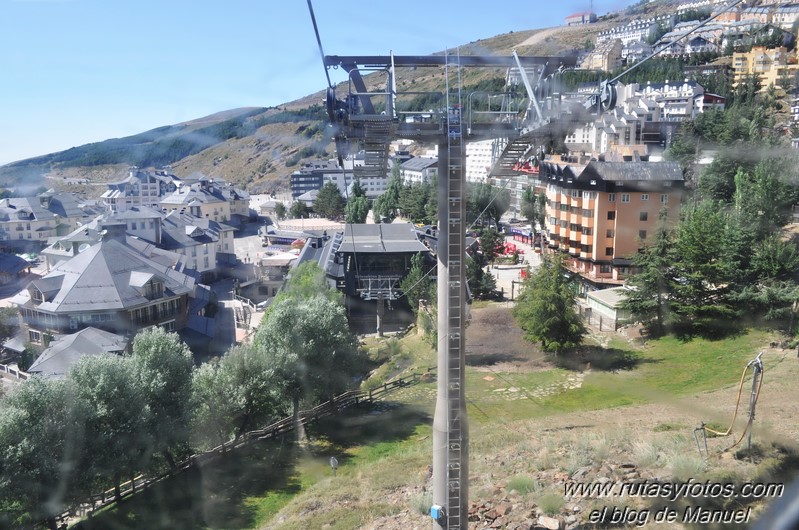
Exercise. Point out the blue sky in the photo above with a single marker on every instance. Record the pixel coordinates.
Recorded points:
(80, 71)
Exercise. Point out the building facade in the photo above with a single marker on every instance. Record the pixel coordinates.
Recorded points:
(109, 286)
(600, 214)
(36, 219)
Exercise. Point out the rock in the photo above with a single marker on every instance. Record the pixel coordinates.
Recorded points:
(570, 519)
(549, 523)
(504, 508)
(580, 473)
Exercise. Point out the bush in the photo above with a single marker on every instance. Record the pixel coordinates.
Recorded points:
(551, 503)
(422, 502)
(523, 484)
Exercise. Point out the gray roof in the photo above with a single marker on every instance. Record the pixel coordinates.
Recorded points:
(633, 171)
(190, 196)
(609, 297)
(183, 230)
(43, 207)
(99, 278)
(12, 264)
(381, 238)
(419, 163)
(135, 212)
(66, 350)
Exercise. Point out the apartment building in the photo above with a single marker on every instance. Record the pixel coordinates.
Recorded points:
(139, 189)
(580, 19)
(110, 286)
(770, 65)
(197, 199)
(35, 219)
(205, 244)
(642, 118)
(637, 30)
(479, 160)
(606, 56)
(600, 214)
(418, 169)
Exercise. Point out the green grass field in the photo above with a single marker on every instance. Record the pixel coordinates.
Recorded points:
(290, 485)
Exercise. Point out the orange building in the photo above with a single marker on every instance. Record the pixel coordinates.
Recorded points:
(602, 213)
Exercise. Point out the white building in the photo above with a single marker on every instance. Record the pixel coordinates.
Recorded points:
(479, 160)
(418, 170)
(139, 189)
(637, 30)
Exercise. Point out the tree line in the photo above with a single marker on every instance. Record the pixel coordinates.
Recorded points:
(112, 417)
(727, 257)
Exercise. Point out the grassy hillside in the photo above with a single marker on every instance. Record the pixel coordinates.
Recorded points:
(534, 426)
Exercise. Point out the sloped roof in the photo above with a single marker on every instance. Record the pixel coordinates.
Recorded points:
(633, 171)
(381, 238)
(99, 278)
(66, 350)
(62, 204)
(184, 230)
(135, 212)
(12, 264)
(419, 163)
(187, 195)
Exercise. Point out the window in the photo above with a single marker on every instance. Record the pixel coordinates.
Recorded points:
(575, 194)
(35, 336)
(643, 216)
(642, 234)
(610, 233)
(625, 197)
(605, 269)
(587, 213)
(153, 289)
(587, 231)
(664, 198)
(611, 197)
(608, 251)
(644, 196)
(611, 215)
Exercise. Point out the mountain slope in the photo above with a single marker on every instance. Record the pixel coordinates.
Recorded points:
(260, 147)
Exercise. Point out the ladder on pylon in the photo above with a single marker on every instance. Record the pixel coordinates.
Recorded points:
(457, 450)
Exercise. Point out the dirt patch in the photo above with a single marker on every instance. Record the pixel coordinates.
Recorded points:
(495, 342)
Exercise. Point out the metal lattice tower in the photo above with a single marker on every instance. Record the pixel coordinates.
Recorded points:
(356, 121)
(450, 426)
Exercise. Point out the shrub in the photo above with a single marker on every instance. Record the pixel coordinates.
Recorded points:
(523, 484)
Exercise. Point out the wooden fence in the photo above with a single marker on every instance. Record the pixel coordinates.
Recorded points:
(283, 426)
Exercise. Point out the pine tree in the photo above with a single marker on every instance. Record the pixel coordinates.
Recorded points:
(646, 299)
(547, 308)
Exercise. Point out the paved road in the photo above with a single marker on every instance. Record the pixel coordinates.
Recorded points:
(225, 332)
(507, 274)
